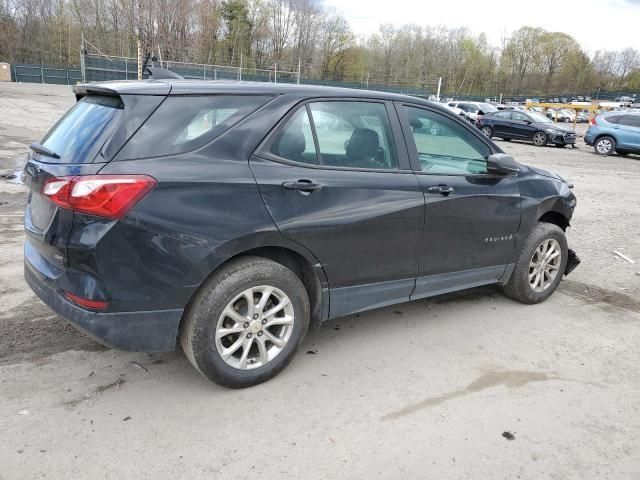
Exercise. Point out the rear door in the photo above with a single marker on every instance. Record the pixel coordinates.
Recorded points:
(629, 131)
(499, 122)
(472, 217)
(336, 179)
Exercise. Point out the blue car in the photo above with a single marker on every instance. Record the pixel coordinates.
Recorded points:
(614, 132)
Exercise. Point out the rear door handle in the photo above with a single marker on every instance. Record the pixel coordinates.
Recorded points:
(441, 189)
(303, 185)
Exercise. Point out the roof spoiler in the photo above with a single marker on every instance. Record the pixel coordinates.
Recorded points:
(157, 73)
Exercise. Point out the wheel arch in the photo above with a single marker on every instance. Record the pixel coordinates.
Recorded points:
(301, 262)
(555, 217)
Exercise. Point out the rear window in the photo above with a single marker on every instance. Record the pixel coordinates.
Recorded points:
(184, 123)
(80, 134)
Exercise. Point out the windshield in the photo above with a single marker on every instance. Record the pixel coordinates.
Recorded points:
(536, 117)
(468, 107)
(78, 135)
(487, 108)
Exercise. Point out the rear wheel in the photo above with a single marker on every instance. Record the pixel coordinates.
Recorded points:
(539, 139)
(540, 265)
(487, 130)
(246, 323)
(604, 145)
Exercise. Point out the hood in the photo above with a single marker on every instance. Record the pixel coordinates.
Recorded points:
(553, 126)
(546, 173)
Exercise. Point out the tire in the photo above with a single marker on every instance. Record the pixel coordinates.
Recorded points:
(207, 315)
(487, 130)
(604, 145)
(519, 286)
(539, 139)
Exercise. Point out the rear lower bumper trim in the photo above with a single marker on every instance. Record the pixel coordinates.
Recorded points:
(145, 331)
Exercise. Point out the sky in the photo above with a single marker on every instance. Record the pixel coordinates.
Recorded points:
(595, 24)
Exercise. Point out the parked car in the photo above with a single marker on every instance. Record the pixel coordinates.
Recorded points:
(567, 116)
(458, 111)
(474, 109)
(614, 132)
(223, 218)
(528, 126)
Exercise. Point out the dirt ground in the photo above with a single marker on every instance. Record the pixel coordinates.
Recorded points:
(470, 385)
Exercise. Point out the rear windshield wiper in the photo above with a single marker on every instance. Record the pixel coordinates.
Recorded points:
(41, 149)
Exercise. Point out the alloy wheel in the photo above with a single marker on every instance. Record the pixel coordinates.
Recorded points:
(539, 139)
(486, 130)
(545, 265)
(435, 129)
(254, 327)
(604, 146)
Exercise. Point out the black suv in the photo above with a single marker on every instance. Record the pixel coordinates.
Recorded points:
(231, 217)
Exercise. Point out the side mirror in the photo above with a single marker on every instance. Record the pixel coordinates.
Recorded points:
(502, 164)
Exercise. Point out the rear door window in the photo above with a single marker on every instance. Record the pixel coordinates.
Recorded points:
(82, 131)
(295, 141)
(354, 134)
(614, 119)
(630, 121)
(185, 123)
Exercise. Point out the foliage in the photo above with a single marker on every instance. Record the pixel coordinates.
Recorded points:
(266, 33)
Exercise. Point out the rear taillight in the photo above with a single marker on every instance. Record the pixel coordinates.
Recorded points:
(592, 121)
(108, 196)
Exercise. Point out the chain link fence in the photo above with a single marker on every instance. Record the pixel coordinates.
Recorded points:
(45, 74)
(98, 67)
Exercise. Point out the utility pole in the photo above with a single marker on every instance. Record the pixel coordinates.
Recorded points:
(439, 85)
(240, 68)
(298, 70)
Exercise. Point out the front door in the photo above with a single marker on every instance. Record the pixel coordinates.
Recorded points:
(520, 126)
(472, 217)
(334, 182)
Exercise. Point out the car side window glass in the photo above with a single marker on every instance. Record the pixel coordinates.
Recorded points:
(184, 123)
(295, 141)
(453, 151)
(354, 134)
(503, 115)
(520, 117)
(630, 120)
(614, 119)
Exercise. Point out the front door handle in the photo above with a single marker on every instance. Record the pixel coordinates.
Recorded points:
(303, 185)
(441, 189)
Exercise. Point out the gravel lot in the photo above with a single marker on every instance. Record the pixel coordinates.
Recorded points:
(470, 385)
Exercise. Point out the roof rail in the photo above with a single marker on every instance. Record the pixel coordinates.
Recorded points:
(157, 73)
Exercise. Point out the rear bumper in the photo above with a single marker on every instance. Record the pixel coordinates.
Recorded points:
(146, 331)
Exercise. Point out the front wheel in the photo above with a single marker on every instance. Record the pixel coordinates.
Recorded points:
(487, 131)
(245, 324)
(539, 139)
(540, 265)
